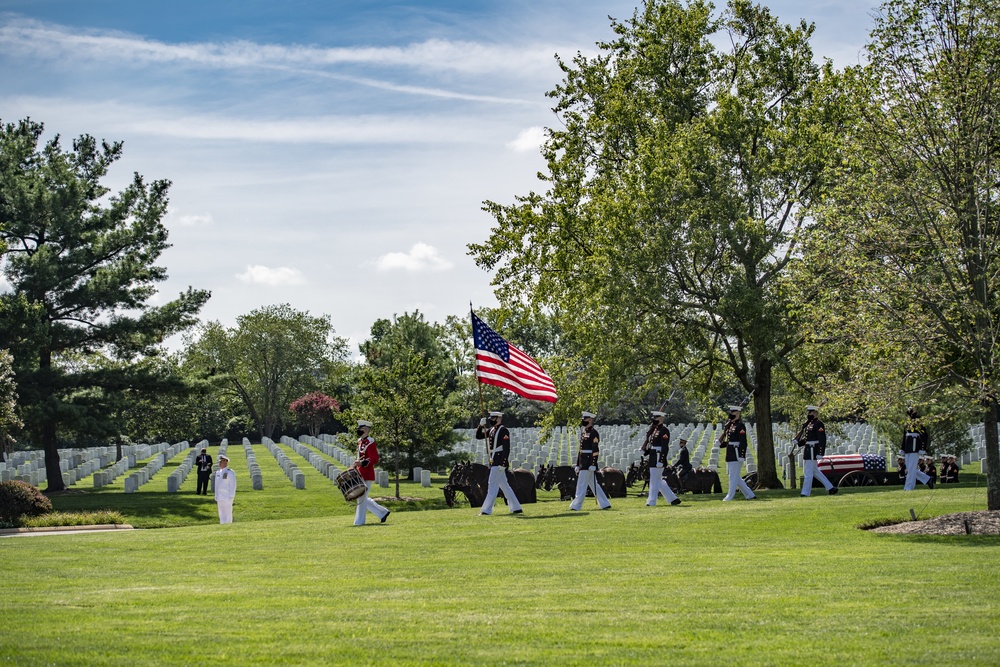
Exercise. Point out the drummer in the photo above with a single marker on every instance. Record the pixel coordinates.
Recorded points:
(367, 458)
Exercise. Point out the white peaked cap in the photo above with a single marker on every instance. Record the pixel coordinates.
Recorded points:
(736, 408)
(657, 413)
(589, 415)
(223, 456)
(496, 413)
(812, 408)
(362, 422)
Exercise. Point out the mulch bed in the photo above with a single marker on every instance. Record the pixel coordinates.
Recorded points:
(394, 499)
(981, 523)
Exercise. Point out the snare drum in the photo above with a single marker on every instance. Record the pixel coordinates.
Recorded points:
(351, 484)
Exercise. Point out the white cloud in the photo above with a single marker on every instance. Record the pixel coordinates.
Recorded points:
(278, 276)
(188, 219)
(421, 257)
(529, 139)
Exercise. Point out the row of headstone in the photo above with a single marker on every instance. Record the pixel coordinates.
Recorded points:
(111, 473)
(331, 445)
(256, 478)
(325, 467)
(287, 465)
(144, 474)
(180, 473)
(223, 446)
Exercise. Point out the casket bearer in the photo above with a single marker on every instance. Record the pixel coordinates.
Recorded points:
(915, 442)
(497, 438)
(813, 443)
(656, 447)
(734, 439)
(225, 489)
(586, 465)
(365, 464)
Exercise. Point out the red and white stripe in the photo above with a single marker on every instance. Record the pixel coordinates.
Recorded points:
(522, 375)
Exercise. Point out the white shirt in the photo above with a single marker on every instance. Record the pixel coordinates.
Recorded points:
(225, 484)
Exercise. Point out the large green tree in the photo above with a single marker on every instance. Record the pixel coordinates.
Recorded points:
(912, 236)
(9, 421)
(272, 356)
(678, 188)
(82, 266)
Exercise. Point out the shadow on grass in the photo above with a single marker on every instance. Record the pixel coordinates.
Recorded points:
(152, 508)
(952, 540)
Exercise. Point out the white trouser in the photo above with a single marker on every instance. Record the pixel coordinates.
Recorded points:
(225, 510)
(812, 470)
(736, 481)
(498, 481)
(658, 485)
(365, 505)
(586, 479)
(913, 472)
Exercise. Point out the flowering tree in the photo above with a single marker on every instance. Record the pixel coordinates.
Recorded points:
(313, 409)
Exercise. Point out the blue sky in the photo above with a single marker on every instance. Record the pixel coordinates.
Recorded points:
(332, 155)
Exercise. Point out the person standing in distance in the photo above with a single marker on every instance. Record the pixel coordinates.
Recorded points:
(586, 465)
(915, 442)
(813, 443)
(498, 452)
(734, 439)
(225, 489)
(683, 463)
(656, 447)
(365, 464)
(204, 464)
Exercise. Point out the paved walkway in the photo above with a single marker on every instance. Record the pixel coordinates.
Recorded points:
(62, 530)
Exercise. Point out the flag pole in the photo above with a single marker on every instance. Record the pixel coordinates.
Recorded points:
(482, 403)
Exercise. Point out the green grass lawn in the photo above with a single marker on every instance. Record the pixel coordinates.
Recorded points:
(777, 581)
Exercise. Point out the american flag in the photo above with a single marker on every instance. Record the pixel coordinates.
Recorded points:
(501, 364)
(845, 463)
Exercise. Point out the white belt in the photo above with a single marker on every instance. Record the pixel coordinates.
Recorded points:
(586, 451)
(657, 449)
(812, 442)
(734, 444)
(912, 435)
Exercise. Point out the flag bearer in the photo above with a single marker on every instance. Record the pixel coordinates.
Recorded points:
(734, 439)
(813, 443)
(656, 447)
(586, 465)
(497, 438)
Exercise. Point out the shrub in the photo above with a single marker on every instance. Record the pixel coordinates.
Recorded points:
(103, 517)
(20, 498)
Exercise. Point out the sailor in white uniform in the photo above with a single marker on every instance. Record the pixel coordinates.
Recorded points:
(225, 489)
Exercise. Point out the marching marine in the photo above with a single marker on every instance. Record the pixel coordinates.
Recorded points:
(656, 446)
(365, 464)
(586, 465)
(812, 439)
(734, 439)
(949, 469)
(498, 451)
(915, 442)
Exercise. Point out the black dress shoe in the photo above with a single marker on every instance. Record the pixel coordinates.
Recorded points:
(675, 501)
(517, 512)
(833, 491)
(387, 513)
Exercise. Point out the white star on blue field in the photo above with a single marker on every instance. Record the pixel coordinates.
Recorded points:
(331, 155)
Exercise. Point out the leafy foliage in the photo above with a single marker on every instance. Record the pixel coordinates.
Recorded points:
(9, 421)
(21, 499)
(313, 409)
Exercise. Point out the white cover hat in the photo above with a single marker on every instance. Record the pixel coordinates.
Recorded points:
(657, 413)
(589, 415)
(362, 422)
(736, 408)
(496, 413)
(223, 456)
(812, 408)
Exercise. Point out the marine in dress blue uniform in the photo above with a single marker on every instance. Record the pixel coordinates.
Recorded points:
(734, 439)
(586, 465)
(657, 446)
(497, 438)
(916, 440)
(813, 443)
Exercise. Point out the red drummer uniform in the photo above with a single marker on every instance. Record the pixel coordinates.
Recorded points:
(367, 458)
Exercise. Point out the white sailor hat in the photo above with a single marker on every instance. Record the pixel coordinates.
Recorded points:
(362, 422)
(589, 415)
(736, 408)
(223, 456)
(496, 413)
(812, 408)
(657, 413)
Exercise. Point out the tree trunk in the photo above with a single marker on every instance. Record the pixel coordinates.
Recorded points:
(395, 449)
(50, 444)
(767, 474)
(992, 457)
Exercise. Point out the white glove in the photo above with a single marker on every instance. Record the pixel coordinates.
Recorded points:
(740, 460)
(592, 468)
(659, 465)
(576, 469)
(482, 422)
